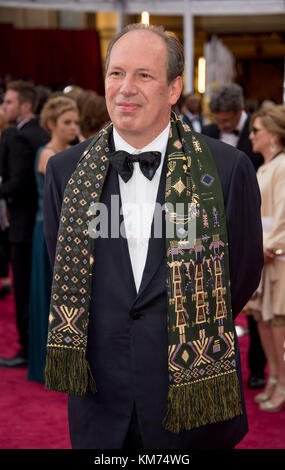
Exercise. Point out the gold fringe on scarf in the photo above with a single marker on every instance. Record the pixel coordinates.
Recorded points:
(207, 401)
(68, 371)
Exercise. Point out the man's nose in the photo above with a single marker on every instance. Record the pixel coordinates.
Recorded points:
(128, 86)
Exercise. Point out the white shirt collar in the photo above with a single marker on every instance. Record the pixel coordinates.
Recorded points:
(242, 120)
(22, 123)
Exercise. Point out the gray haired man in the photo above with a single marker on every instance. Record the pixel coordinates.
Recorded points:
(232, 122)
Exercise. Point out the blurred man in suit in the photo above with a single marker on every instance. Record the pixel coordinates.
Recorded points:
(232, 127)
(232, 122)
(4, 222)
(19, 147)
(192, 112)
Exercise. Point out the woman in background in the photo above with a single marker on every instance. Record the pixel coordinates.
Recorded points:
(268, 137)
(60, 117)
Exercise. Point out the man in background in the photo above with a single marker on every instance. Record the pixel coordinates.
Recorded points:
(192, 112)
(18, 149)
(232, 127)
(232, 122)
(4, 222)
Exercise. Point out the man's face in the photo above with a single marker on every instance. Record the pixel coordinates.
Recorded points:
(227, 121)
(11, 106)
(138, 96)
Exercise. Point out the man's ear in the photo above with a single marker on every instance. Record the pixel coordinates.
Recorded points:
(175, 89)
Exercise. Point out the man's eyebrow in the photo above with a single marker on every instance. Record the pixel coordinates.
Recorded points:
(114, 66)
(144, 69)
(139, 69)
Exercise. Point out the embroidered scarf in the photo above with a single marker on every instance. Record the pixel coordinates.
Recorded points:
(203, 382)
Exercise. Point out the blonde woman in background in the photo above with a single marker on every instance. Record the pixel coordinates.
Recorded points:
(268, 137)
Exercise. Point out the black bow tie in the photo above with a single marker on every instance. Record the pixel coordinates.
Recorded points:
(236, 132)
(123, 161)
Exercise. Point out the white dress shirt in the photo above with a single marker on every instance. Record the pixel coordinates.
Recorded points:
(229, 137)
(138, 196)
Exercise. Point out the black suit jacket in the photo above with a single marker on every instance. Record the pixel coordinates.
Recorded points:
(6, 139)
(127, 335)
(244, 143)
(18, 151)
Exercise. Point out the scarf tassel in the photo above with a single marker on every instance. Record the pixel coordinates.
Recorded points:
(68, 371)
(204, 402)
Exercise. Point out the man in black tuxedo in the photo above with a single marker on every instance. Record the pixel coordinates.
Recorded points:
(18, 149)
(232, 127)
(232, 122)
(127, 334)
(5, 138)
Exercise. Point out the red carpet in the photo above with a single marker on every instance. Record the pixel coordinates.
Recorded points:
(34, 418)
(266, 430)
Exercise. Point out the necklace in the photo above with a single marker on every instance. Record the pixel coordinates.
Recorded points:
(55, 150)
(52, 148)
(278, 153)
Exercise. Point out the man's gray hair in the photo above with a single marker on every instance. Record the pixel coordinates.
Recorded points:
(227, 98)
(175, 53)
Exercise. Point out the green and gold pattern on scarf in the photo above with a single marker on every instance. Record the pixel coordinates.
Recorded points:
(203, 385)
(67, 369)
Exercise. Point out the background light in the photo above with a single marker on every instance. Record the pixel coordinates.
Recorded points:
(145, 17)
(201, 75)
